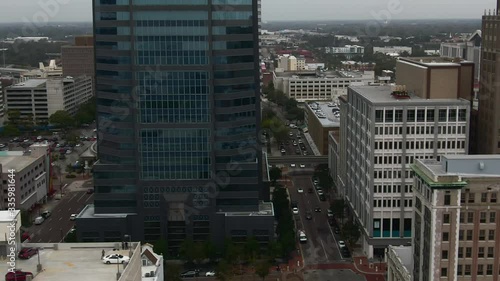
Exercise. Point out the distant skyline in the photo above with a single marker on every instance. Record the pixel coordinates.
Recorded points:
(272, 10)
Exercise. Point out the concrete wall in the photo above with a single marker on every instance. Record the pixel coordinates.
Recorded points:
(444, 83)
(413, 77)
(466, 82)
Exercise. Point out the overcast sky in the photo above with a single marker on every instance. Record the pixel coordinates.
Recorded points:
(80, 10)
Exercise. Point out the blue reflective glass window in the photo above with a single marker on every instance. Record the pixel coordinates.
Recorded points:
(245, 129)
(170, 2)
(234, 116)
(232, 15)
(227, 30)
(229, 45)
(232, 2)
(233, 59)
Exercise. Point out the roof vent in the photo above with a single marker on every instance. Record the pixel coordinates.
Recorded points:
(481, 165)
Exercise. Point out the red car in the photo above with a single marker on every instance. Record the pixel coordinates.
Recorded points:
(25, 236)
(27, 253)
(18, 275)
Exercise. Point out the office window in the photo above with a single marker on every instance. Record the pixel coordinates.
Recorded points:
(462, 217)
(430, 115)
(468, 252)
(493, 217)
(482, 235)
(470, 217)
(467, 270)
(493, 198)
(462, 195)
(459, 270)
(471, 198)
(469, 235)
(489, 269)
(460, 252)
(446, 236)
(491, 250)
(484, 197)
(447, 199)
(444, 254)
(442, 115)
(482, 217)
(444, 272)
(446, 218)
(480, 252)
(491, 234)
(461, 234)
(480, 269)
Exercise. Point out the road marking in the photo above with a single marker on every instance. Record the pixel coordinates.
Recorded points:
(50, 229)
(323, 246)
(80, 197)
(60, 218)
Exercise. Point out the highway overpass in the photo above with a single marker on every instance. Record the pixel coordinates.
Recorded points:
(273, 160)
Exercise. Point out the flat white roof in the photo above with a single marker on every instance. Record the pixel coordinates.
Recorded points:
(32, 83)
(6, 216)
(15, 162)
(330, 120)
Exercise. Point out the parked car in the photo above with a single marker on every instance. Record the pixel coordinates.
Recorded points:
(317, 210)
(17, 275)
(302, 165)
(210, 273)
(292, 165)
(45, 214)
(330, 213)
(72, 217)
(27, 253)
(190, 273)
(295, 210)
(39, 220)
(25, 236)
(90, 191)
(300, 190)
(115, 258)
(341, 244)
(322, 197)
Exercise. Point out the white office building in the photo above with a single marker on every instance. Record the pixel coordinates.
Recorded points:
(40, 98)
(349, 51)
(319, 85)
(469, 50)
(392, 50)
(385, 130)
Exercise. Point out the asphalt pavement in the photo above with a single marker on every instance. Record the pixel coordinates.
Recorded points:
(322, 246)
(59, 224)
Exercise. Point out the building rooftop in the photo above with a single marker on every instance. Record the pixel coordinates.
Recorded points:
(72, 261)
(89, 212)
(325, 74)
(436, 61)
(382, 95)
(328, 118)
(32, 83)
(7, 216)
(265, 209)
(405, 255)
(15, 160)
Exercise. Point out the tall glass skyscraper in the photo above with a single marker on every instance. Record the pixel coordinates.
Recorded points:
(177, 86)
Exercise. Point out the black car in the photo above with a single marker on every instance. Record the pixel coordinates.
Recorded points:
(336, 230)
(190, 273)
(322, 197)
(317, 210)
(294, 204)
(345, 252)
(308, 216)
(310, 190)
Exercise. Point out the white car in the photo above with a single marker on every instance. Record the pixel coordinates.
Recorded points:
(292, 165)
(330, 213)
(300, 190)
(78, 145)
(72, 217)
(295, 210)
(115, 258)
(302, 165)
(341, 244)
(210, 273)
(320, 192)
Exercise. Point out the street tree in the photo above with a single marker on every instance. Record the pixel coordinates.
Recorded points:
(262, 269)
(62, 119)
(161, 247)
(223, 271)
(275, 174)
(351, 232)
(187, 250)
(252, 249)
(337, 208)
(173, 272)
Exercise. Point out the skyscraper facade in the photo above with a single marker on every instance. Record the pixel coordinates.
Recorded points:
(177, 88)
(488, 120)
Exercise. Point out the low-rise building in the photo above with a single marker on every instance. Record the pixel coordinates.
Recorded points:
(319, 85)
(10, 236)
(392, 50)
(386, 129)
(40, 98)
(351, 65)
(399, 263)
(456, 218)
(320, 119)
(152, 264)
(28, 173)
(349, 51)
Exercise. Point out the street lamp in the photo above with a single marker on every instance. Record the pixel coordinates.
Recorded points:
(129, 244)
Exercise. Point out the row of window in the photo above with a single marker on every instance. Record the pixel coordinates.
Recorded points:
(391, 188)
(467, 235)
(389, 145)
(470, 197)
(397, 159)
(420, 130)
(390, 174)
(391, 203)
(483, 217)
(420, 115)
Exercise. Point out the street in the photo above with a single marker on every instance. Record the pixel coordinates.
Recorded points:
(321, 246)
(59, 224)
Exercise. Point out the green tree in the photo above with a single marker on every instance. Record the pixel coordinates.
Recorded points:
(62, 119)
(273, 250)
(87, 112)
(231, 251)
(262, 269)
(210, 250)
(223, 271)
(187, 250)
(173, 272)
(199, 252)
(351, 233)
(337, 208)
(251, 249)
(11, 131)
(275, 174)
(14, 117)
(161, 247)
